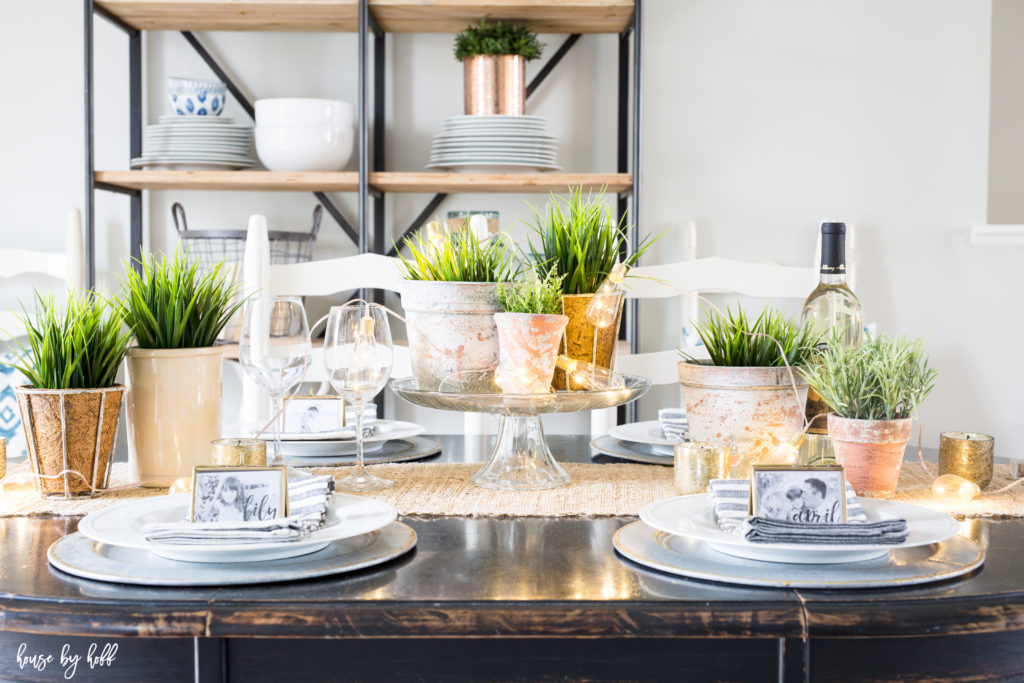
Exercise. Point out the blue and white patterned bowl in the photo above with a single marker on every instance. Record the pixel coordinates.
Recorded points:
(190, 97)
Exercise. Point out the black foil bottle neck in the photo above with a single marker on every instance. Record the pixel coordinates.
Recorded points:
(833, 249)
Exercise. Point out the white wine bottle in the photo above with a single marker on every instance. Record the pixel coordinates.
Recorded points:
(831, 309)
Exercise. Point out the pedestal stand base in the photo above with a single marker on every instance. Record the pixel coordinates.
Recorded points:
(521, 460)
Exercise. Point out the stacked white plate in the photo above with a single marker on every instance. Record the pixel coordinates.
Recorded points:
(638, 442)
(495, 143)
(196, 143)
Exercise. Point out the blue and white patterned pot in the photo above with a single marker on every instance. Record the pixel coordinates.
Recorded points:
(196, 98)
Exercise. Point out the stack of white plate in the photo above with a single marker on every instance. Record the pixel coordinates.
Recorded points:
(196, 143)
(638, 441)
(506, 143)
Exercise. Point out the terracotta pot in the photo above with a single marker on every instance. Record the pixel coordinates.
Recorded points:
(173, 409)
(452, 336)
(871, 452)
(495, 84)
(753, 410)
(529, 345)
(579, 337)
(70, 429)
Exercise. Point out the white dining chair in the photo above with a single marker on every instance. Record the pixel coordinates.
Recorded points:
(320, 278)
(708, 275)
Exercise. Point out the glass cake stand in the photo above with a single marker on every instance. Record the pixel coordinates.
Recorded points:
(521, 459)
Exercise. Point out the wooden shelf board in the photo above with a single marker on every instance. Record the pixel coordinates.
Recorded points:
(405, 16)
(349, 182)
(498, 182)
(232, 180)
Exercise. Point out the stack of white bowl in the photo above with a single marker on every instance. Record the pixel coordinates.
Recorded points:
(300, 134)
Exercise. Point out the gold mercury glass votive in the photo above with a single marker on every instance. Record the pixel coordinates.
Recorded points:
(697, 463)
(236, 452)
(3, 457)
(967, 455)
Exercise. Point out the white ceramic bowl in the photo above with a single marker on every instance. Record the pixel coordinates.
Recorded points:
(299, 111)
(303, 148)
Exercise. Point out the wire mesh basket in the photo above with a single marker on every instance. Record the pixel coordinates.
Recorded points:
(210, 247)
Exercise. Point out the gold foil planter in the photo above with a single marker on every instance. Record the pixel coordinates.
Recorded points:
(70, 430)
(495, 84)
(579, 337)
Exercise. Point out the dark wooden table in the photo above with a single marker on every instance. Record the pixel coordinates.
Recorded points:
(506, 599)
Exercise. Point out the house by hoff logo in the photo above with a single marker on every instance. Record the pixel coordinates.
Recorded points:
(96, 657)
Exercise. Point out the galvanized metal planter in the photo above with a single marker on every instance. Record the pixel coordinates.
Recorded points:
(70, 430)
(495, 84)
(754, 410)
(871, 451)
(452, 336)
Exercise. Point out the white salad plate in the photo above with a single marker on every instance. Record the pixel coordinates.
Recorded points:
(331, 443)
(122, 526)
(693, 517)
(648, 432)
(83, 557)
(898, 569)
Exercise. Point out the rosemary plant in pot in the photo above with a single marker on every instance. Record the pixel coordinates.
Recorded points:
(450, 297)
(579, 238)
(71, 409)
(175, 311)
(530, 329)
(745, 395)
(874, 391)
(494, 60)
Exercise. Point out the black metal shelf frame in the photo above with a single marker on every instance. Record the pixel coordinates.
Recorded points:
(629, 140)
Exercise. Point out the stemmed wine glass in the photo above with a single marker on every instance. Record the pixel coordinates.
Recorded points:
(275, 349)
(358, 356)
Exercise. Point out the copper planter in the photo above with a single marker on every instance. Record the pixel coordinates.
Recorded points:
(495, 84)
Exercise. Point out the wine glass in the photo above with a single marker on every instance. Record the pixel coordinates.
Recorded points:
(275, 350)
(358, 356)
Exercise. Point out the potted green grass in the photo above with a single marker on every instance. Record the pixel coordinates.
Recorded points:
(70, 410)
(450, 297)
(494, 60)
(530, 329)
(873, 391)
(744, 395)
(579, 238)
(175, 311)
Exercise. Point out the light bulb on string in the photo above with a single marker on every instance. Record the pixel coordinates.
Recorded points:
(954, 488)
(604, 305)
(590, 376)
(365, 363)
(435, 235)
(788, 451)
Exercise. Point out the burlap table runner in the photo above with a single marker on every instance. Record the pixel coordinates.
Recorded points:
(596, 490)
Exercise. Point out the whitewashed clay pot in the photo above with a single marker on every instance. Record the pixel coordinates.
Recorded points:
(871, 452)
(453, 341)
(173, 411)
(753, 410)
(528, 350)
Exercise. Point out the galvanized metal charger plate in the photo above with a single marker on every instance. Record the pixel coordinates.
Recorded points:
(694, 559)
(398, 450)
(80, 556)
(629, 450)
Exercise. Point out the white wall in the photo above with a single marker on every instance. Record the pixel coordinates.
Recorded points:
(760, 119)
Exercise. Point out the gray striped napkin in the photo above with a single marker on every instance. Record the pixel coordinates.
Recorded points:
(731, 498)
(883, 532)
(673, 423)
(308, 496)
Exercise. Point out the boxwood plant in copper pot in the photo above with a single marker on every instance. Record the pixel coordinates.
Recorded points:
(70, 410)
(745, 395)
(494, 60)
(873, 391)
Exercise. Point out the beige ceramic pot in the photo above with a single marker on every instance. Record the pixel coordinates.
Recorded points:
(173, 409)
(871, 452)
(579, 337)
(70, 430)
(495, 84)
(453, 341)
(529, 346)
(754, 410)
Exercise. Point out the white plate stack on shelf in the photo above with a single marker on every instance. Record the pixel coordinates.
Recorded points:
(196, 143)
(495, 143)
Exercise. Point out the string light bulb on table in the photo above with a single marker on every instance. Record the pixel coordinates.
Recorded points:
(588, 375)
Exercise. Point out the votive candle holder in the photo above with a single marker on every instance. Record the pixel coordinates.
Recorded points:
(239, 452)
(697, 463)
(968, 455)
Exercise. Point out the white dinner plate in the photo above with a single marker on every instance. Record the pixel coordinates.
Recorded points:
(326, 444)
(634, 452)
(648, 432)
(694, 517)
(494, 166)
(121, 525)
(188, 166)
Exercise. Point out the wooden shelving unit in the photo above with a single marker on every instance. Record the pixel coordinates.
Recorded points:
(393, 16)
(269, 181)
